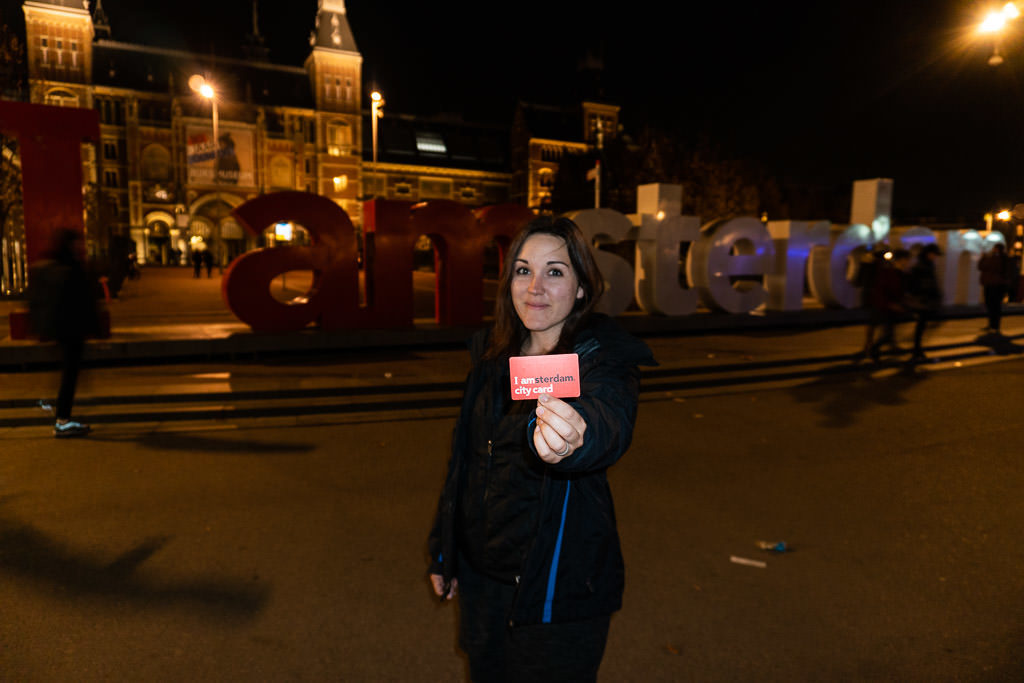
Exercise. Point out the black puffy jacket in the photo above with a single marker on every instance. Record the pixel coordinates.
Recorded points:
(549, 528)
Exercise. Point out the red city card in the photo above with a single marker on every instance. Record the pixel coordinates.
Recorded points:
(534, 376)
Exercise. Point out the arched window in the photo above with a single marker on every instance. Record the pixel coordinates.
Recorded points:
(339, 138)
(61, 98)
(282, 173)
(156, 163)
(546, 178)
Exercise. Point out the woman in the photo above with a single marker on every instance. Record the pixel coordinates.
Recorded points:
(525, 534)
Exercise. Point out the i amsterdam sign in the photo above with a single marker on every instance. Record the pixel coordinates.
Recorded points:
(735, 265)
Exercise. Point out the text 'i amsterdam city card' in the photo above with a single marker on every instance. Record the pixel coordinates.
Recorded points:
(534, 376)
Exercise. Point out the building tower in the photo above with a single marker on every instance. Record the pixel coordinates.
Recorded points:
(59, 43)
(335, 68)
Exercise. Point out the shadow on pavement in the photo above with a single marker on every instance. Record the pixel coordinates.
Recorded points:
(30, 554)
(1002, 345)
(330, 358)
(176, 441)
(843, 397)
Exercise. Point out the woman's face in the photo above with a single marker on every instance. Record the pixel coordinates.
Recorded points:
(544, 285)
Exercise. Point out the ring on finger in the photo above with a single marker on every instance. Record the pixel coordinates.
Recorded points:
(564, 451)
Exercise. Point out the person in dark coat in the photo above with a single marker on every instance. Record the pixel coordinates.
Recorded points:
(994, 266)
(887, 300)
(924, 296)
(62, 304)
(1013, 279)
(867, 266)
(208, 262)
(525, 533)
(197, 262)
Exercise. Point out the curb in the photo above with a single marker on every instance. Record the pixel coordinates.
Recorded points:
(22, 356)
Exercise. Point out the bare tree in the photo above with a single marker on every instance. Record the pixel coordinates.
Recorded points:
(12, 87)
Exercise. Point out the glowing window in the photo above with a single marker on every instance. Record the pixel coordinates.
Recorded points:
(430, 143)
(283, 231)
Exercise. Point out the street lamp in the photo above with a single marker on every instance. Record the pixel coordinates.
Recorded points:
(376, 112)
(204, 88)
(995, 23)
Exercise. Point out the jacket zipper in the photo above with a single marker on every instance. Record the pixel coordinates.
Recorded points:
(487, 470)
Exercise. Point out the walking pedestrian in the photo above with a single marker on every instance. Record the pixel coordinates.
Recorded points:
(197, 262)
(994, 266)
(1014, 279)
(525, 533)
(887, 300)
(864, 278)
(62, 300)
(208, 262)
(924, 296)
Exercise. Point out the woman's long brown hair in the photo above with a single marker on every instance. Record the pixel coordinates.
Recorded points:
(509, 332)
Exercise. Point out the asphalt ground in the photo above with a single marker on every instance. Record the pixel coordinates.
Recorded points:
(264, 519)
(185, 540)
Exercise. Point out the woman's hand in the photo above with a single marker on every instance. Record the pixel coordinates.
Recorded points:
(438, 582)
(559, 430)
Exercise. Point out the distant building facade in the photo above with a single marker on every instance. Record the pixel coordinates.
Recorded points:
(163, 179)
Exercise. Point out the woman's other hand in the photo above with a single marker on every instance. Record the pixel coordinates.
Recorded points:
(438, 582)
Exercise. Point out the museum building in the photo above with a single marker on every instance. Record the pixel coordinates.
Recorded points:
(168, 180)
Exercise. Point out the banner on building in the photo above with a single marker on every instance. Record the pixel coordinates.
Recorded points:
(230, 160)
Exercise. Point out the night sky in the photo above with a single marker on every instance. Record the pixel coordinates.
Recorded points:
(818, 92)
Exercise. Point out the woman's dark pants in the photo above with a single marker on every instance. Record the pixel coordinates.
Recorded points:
(500, 653)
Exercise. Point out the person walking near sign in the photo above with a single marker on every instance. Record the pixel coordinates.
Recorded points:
(887, 300)
(924, 297)
(994, 267)
(863, 277)
(62, 301)
(525, 532)
(208, 261)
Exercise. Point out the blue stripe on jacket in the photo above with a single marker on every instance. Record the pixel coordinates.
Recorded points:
(554, 560)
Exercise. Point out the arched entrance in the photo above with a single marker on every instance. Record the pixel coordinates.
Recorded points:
(212, 227)
(160, 242)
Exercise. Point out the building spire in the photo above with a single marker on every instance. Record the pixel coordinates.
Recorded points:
(332, 30)
(255, 48)
(336, 6)
(100, 23)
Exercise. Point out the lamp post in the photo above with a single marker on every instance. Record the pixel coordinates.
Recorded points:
(376, 112)
(204, 88)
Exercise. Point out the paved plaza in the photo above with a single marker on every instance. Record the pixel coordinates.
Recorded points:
(265, 518)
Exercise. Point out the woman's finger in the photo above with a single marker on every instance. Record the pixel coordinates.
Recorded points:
(552, 406)
(559, 425)
(557, 406)
(543, 449)
(556, 441)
